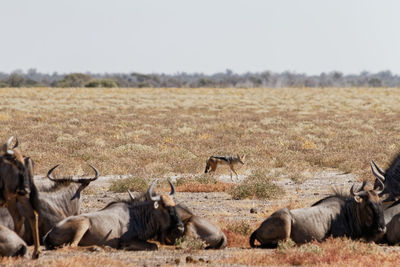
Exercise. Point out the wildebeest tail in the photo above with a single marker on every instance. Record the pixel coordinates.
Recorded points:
(207, 165)
(21, 251)
(222, 243)
(47, 242)
(253, 238)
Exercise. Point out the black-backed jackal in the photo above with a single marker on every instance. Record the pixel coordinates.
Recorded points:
(213, 161)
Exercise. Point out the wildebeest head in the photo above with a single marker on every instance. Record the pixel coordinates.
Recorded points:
(369, 209)
(391, 179)
(165, 211)
(14, 167)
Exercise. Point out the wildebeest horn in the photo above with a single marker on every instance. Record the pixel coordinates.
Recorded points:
(75, 180)
(379, 169)
(150, 192)
(130, 194)
(360, 192)
(16, 143)
(382, 187)
(7, 145)
(377, 174)
(88, 180)
(172, 188)
(51, 177)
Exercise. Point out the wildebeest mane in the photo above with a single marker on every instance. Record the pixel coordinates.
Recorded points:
(393, 171)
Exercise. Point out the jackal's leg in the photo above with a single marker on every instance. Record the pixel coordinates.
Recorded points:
(33, 221)
(82, 226)
(232, 170)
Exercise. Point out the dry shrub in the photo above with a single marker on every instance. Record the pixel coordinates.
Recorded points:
(256, 186)
(190, 243)
(132, 184)
(236, 239)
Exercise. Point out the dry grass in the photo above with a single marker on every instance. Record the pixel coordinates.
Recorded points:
(150, 132)
(333, 252)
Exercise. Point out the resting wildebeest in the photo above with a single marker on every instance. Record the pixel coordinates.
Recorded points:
(121, 224)
(55, 201)
(197, 227)
(15, 169)
(391, 178)
(10, 243)
(359, 215)
(391, 197)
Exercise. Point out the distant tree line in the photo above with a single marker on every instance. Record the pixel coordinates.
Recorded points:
(32, 78)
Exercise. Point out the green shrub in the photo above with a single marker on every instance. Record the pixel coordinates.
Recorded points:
(256, 186)
(133, 184)
(101, 83)
(190, 243)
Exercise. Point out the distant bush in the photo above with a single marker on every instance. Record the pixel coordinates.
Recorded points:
(133, 184)
(101, 83)
(74, 80)
(256, 186)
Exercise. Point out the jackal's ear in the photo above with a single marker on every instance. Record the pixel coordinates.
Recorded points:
(243, 157)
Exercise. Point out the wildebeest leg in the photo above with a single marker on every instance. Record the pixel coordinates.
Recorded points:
(16, 215)
(81, 227)
(274, 229)
(139, 245)
(33, 221)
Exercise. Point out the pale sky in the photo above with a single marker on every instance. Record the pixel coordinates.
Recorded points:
(170, 36)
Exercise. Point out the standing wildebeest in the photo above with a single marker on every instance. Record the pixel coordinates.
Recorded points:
(54, 203)
(121, 224)
(357, 216)
(198, 227)
(10, 243)
(15, 169)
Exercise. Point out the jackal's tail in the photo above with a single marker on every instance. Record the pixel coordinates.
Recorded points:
(207, 166)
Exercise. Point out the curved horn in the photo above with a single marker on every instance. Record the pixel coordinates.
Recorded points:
(378, 192)
(359, 192)
(16, 143)
(172, 188)
(51, 178)
(7, 144)
(130, 194)
(378, 175)
(88, 180)
(378, 168)
(150, 192)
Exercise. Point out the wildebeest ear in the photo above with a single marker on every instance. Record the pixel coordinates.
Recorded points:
(358, 199)
(155, 204)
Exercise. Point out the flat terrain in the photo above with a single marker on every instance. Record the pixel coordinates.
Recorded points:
(303, 140)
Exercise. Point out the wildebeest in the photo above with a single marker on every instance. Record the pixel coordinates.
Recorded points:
(194, 225)
(197, 227)
(121, 224)
(10, 243)
(55, 201)
(391, 178)
(14, 169)
(359, 215)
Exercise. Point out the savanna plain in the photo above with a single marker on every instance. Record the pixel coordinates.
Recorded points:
(299, 144)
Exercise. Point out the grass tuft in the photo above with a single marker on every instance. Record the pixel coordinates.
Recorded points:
(256, 186)
(132, 183)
